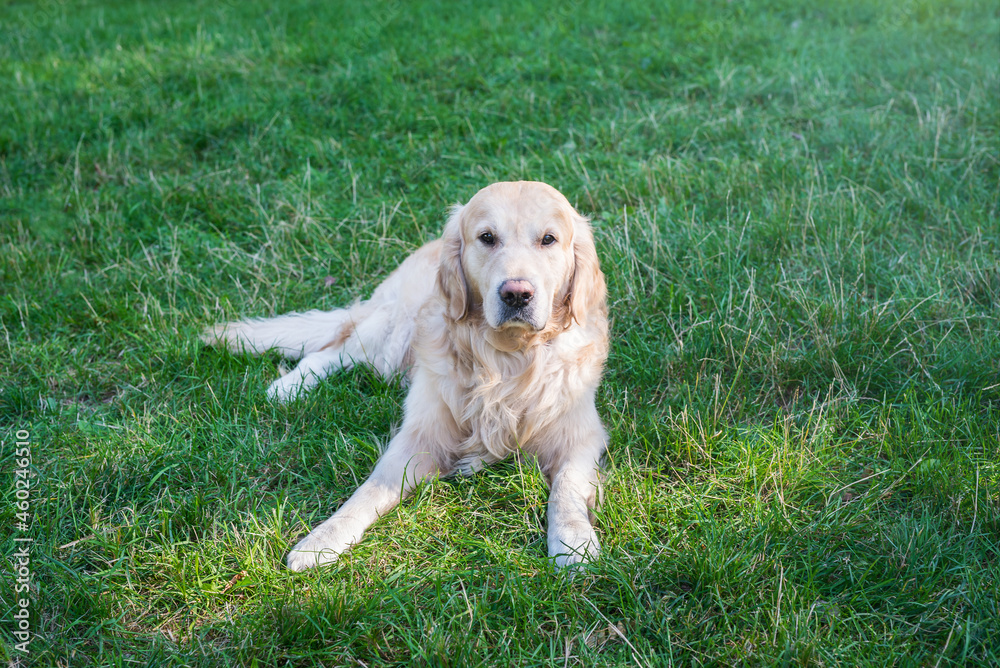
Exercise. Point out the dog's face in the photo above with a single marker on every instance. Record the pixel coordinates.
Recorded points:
(521, 254)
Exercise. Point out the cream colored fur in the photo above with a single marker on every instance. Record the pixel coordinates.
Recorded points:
(486, 380)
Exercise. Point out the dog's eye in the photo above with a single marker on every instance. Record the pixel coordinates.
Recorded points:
(487, 238)
(548, 240)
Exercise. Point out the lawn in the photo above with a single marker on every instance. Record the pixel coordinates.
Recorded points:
(797, 208)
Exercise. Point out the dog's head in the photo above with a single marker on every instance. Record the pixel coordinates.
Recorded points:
(521, 257)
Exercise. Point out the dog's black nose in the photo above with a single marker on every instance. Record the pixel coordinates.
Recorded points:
(516, 293)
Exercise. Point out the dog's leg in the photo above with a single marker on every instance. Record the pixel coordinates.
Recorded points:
(571, 536)
(378, 331)
(379, 334)
(575, 486)
(404, 464)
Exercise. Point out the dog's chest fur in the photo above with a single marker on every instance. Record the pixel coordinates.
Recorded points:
(503, 401)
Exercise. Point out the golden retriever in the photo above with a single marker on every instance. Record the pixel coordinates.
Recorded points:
(501, 328)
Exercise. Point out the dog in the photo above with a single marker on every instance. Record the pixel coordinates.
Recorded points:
(500, 328)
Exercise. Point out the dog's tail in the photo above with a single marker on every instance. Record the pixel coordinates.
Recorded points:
(294, 335)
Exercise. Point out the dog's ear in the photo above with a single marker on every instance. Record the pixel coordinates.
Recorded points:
(451, 276)
(587, 290)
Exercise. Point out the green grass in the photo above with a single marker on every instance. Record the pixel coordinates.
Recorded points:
(797, 212)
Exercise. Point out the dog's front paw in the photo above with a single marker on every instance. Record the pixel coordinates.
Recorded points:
(573, 545)
(569, 560)
(311, 552)
(562, 561)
